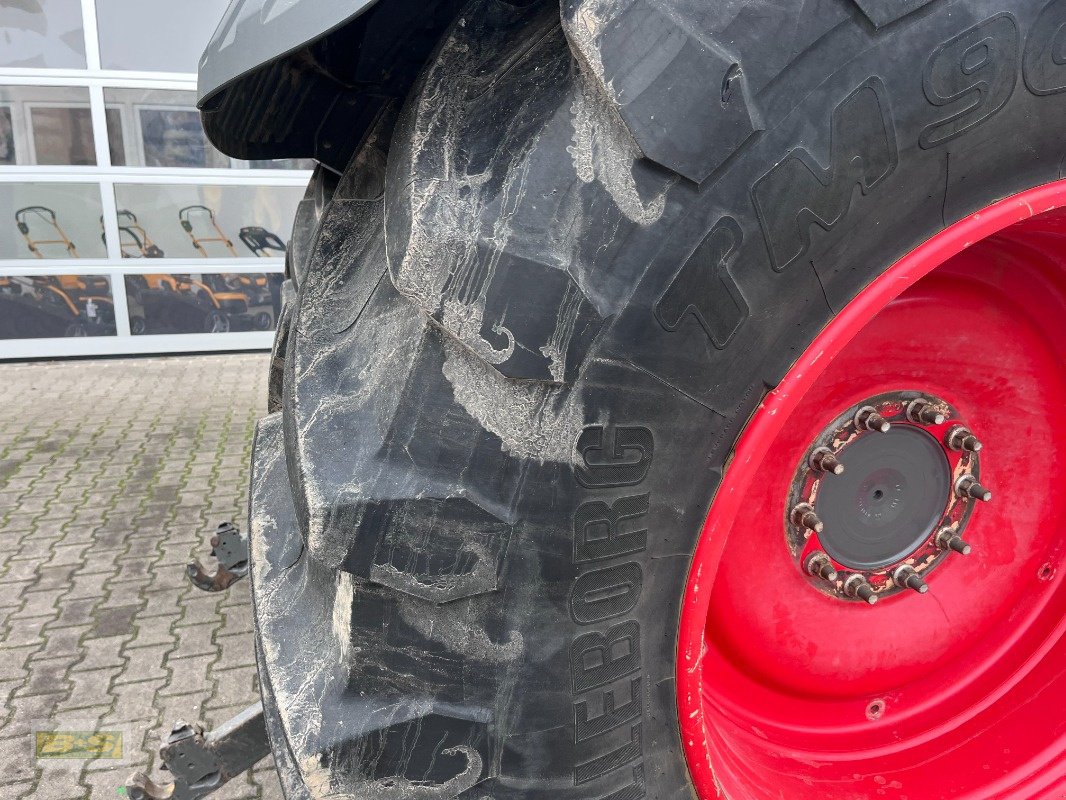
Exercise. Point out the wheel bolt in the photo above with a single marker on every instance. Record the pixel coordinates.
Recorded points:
(824, 460)
(961, 438)
(868, 418)
(819, 566)
(967, 486)
(924, 412)
(907, 576)
(857, 586)
(804, 516)
(947, 539)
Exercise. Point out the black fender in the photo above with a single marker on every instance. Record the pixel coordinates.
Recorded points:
(310, 80)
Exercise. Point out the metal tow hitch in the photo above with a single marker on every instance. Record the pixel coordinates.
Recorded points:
(230, 548)
(201, 763)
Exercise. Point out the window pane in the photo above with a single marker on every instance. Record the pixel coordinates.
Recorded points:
(46, 306)
(174, 138)
(283, 163)
(7, 136)
(46, 125)
(42, 33)
(203, 302)
(158, 128)
(63, 135)
(205, 221)
(155, 35)
(50, 221)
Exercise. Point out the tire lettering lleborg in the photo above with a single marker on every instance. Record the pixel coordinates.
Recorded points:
(605, 665)
(799, 191)
(971, 76)
(704, 289)
(612, 458)
(602, 594)
(598, 529)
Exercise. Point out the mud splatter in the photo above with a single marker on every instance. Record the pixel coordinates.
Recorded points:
(532, 420)
(604, 151)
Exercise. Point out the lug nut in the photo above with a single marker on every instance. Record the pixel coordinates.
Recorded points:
(947, 539)
(804, 516)
(908, 577)
(824, 460)
(924, 412)
(967, 486)
(868, 419)
(819, 566)
(857, 586)
(961, 438)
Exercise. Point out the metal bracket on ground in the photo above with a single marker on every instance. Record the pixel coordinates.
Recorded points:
(230, 547)
(201, 763)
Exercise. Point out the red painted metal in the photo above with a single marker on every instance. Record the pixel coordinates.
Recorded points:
(960, 693)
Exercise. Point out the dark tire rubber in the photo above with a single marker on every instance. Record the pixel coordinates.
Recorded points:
(525, 330)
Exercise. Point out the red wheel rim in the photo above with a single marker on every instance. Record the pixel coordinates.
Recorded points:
(785, 692)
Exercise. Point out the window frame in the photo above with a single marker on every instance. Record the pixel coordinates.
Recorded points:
(106, 177)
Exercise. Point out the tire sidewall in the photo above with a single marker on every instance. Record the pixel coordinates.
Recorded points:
(580, 499)
(692, 395)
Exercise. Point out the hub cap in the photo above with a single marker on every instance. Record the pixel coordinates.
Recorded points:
(875, 497)
(888, 503)
(862, 618)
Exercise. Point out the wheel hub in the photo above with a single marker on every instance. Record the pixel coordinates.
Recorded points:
(883, 495)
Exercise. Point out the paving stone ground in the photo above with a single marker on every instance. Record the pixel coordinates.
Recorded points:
(112, 475)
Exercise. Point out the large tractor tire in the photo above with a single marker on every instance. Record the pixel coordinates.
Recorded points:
(667, 402)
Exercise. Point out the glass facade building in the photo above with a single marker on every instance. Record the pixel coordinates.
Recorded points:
(122, 230)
